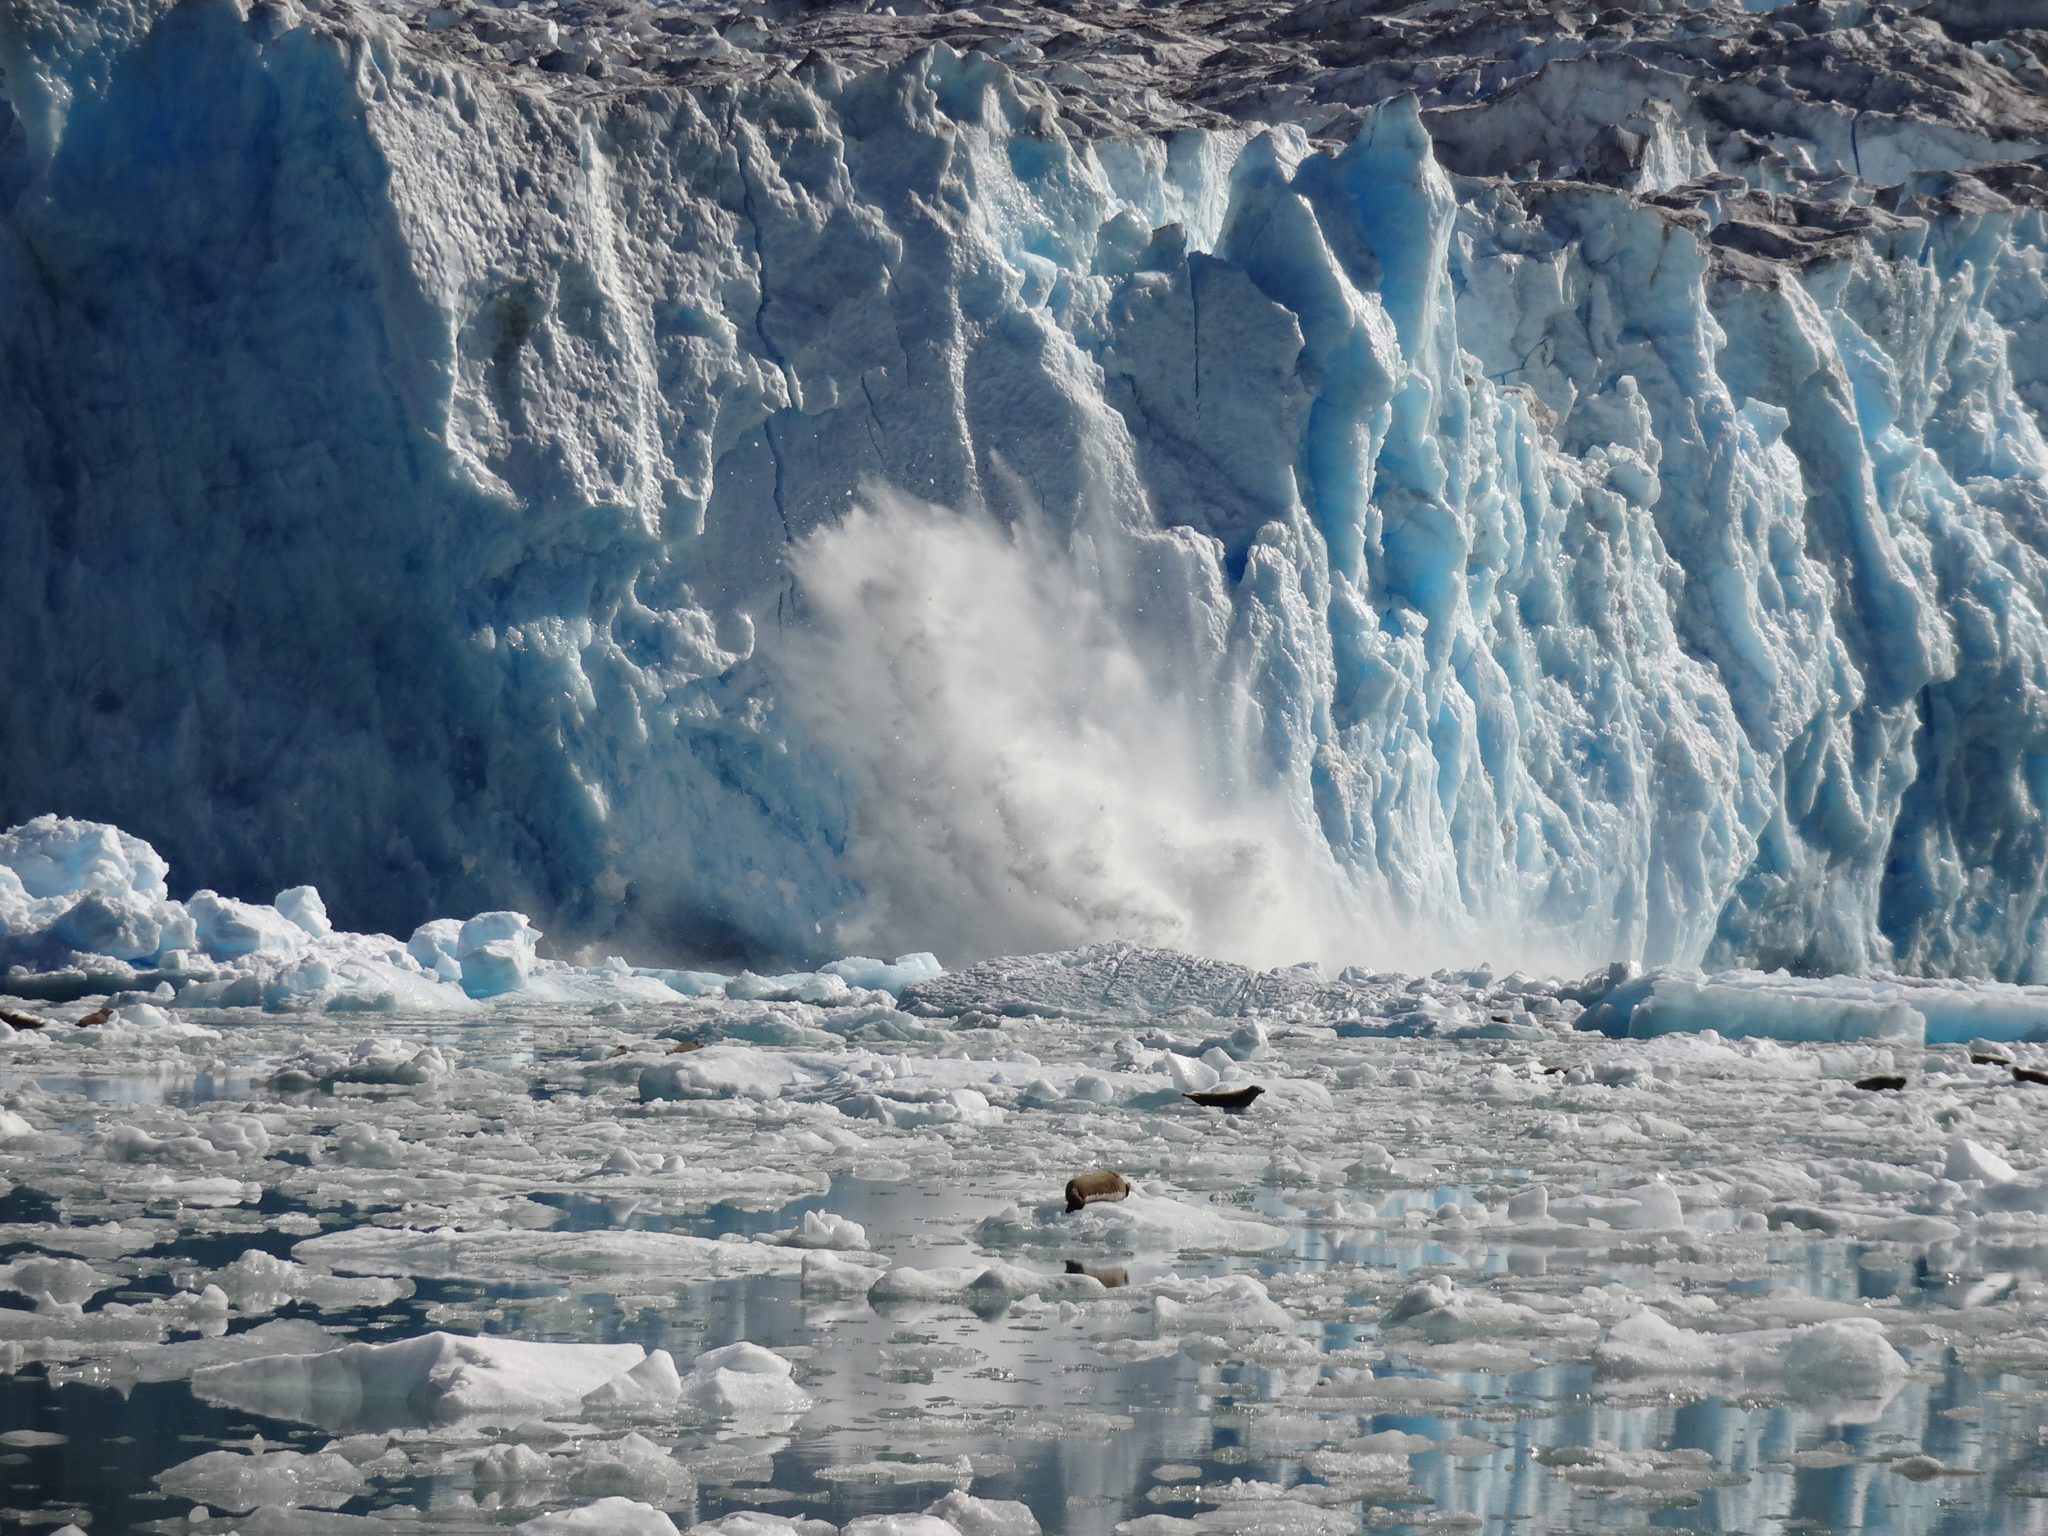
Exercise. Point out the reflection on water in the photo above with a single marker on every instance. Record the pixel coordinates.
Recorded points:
(1071, 1411)
(1045, 1416)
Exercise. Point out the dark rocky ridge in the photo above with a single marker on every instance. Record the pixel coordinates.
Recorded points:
(1796, 134)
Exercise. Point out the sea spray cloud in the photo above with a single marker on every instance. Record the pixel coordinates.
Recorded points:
(1022, 778)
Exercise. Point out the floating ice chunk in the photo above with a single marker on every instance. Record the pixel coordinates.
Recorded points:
(984, 1517)
(1649, 1207)
(302, 907)
(241, 1480)
(1190, 1075)
(1243, 1043)
(1213, 1305)
(1971, 1160)
(826, 1274)
(691, 983)
(1683, 1471)
(632, 1466)
(1741, 1005)
(653, 1383)
(744, 1382)
(437, 1378)
(912, 1107)
(174, 1362)
(1441, 1310)
(1847, 1357)
(1990, 1183)
(368, 1146)
(449, 1254)
(1092, 1088)
(262, 1282)
(204, 1192)
(123, 926)
(726, 1071)
(821, 1229)
(626, 1163)
(753, 1522)
(53, 1284)
(230, 929)
(227, 1139)
(991, 1284)
(434, 945)
(137, 1022)
(509, 1466)
(1921, 1468)
(615, 1516)
(496, 953)
(874, 976)
(53, 857)
(1141, 1220)
(899, 1525)
(909, 1472)
(383, 1060)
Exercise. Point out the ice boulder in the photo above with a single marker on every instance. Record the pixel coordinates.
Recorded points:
(241, 1480)
(54, 858)
(437, 1378)
(745, 1382)
(433, 945)
(80, 887)
(984, 1517)
(1743, 1005)
(821, 1229)
(495, 951)
(229, 929)
(614, 1516)
(1840, 1358)
(899, 1525)
(653, 1383)
(302, 906)
(875, 976)
(123, 926)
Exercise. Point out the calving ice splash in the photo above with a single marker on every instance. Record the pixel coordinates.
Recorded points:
(85, 910)
(1588, 515)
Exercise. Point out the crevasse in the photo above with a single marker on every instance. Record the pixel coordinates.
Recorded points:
(432, 485)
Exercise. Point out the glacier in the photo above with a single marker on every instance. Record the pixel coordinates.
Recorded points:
(1362, 481)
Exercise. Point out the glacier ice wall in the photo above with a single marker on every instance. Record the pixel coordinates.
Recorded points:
(429, 473)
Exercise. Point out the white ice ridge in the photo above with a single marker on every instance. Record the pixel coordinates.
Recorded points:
(85, 908)
(1592, 510)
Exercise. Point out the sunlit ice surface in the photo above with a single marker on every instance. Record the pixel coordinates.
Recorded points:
(297, 1273)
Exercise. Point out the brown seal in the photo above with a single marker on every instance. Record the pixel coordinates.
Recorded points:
(21, 1020)
(97, 1016)
(1102, 1184)
(1884, 1082)
(2028, 1075)
(1232, 1101)
(1111, 1279)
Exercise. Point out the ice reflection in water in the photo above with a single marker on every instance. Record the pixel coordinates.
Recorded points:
(1046, 1407)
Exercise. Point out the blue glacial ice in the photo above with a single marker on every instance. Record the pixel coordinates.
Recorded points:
(733, 490)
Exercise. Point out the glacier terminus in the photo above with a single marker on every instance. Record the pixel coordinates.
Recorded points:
(1356, 481)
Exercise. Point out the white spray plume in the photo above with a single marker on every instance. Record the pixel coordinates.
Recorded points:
(1021, 782)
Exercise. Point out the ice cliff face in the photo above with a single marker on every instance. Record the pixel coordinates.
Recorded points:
(1533, 478)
